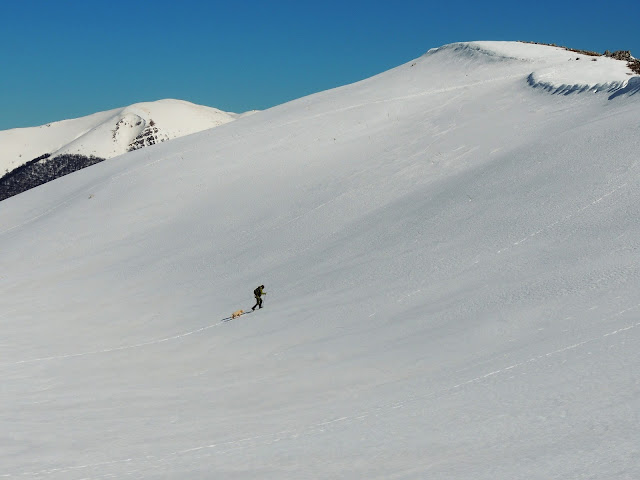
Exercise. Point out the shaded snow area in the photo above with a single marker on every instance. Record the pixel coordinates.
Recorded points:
(111, 133)
(450, 257)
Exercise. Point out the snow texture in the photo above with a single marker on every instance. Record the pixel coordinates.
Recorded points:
(451, 264)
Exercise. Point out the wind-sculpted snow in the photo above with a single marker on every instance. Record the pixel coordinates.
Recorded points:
(451, 264)
(536, 80)
(632, 88)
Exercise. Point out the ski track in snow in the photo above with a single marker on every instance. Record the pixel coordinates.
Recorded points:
(563, 219)
(230, 446)
(116, 349)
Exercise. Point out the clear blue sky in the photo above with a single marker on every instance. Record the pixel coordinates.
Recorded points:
(65, 59)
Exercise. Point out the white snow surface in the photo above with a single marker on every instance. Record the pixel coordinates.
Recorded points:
(450, 255)
(108, 134)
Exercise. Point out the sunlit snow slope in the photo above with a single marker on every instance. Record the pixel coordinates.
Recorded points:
(450, 255)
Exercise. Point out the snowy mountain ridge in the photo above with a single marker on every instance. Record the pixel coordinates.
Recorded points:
(110, 133)
(451, 261)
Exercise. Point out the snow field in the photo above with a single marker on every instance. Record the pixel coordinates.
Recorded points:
(450, 261)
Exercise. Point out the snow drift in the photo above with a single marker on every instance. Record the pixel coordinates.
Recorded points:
(450, 257)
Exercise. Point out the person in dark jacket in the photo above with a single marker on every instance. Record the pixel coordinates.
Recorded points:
(258, 292)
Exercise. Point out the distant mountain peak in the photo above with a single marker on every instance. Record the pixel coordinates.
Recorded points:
(144, 124)
(110, 133)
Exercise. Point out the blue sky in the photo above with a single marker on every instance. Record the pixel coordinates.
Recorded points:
(65, 59)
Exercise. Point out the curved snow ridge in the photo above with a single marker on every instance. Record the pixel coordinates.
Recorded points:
(564, 71)
(537, 80)
(505, 50)
(474, 50)
(566, 81)
(553, 69)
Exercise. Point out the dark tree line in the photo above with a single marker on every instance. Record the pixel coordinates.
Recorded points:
(42, 170)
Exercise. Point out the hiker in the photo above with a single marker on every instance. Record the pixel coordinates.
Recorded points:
(258, 292)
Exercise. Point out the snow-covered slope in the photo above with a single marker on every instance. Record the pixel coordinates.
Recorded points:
(111, 133)
(450, 260)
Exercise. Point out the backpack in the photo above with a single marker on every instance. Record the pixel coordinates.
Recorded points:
(257, 292)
